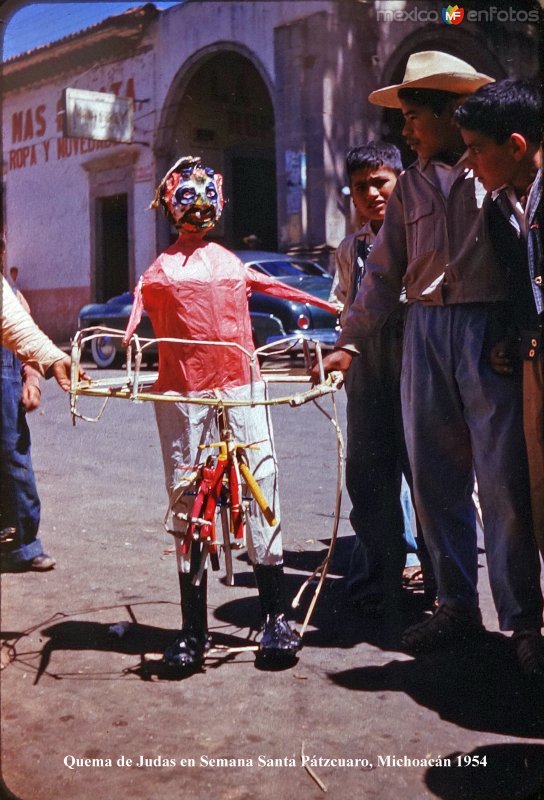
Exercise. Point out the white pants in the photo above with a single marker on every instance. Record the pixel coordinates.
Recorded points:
(185, 426)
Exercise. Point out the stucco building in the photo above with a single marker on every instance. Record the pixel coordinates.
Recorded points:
(270, 92)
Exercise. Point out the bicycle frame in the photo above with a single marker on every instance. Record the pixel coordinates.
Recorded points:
(220, 484)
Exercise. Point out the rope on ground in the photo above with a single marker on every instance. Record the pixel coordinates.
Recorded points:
(322, 569)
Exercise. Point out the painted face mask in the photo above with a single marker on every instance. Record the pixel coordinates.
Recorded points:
(191, 195)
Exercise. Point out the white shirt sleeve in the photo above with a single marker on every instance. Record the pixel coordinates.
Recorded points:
(20, 333)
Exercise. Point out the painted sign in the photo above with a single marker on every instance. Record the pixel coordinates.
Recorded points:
(98, 115)
(36, 121)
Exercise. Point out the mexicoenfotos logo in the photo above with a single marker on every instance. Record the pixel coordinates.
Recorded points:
(453, 15)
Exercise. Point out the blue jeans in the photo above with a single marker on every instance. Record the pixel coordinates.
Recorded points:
(409, 517)
(19, 501)
(461, 418)
(376, 459)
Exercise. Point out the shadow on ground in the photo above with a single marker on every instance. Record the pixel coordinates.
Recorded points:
(512, 772)
(335, 621)
(127, 636)
(478, 687)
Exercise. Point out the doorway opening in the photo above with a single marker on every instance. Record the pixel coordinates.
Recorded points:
(225, 115)
(112, 256)
(254, 202)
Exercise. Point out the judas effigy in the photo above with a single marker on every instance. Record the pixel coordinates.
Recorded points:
(197, 291)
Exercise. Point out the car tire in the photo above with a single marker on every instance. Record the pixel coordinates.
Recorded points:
(104, 353)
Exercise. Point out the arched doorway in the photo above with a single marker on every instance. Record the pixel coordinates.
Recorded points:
(222, 111)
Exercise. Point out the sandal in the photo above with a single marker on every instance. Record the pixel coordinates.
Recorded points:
(439, 630)
(529, 646)
(412, 576)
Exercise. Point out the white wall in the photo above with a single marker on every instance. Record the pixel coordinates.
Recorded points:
(188, 29)
(47, 189)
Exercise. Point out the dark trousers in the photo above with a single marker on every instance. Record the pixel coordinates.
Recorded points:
(461, 418)
(375, 460)
(19, 501)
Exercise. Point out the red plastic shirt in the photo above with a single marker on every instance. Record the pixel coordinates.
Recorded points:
(200, 293)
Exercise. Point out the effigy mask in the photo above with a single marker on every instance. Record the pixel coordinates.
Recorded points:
(191, 195)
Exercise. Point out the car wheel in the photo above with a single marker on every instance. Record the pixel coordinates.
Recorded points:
(104, 353)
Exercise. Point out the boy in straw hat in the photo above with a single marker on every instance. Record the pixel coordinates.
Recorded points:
(460, 417)
(197, 290)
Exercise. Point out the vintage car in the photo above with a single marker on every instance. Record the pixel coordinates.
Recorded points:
(272, 318)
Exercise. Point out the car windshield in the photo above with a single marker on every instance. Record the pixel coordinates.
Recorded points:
(279, 269)
(309, 267)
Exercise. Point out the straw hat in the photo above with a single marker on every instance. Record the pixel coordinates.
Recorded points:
(432, 70)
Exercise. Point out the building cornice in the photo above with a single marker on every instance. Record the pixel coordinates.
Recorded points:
(112, 39)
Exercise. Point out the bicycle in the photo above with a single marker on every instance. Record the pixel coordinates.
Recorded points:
(219, 483)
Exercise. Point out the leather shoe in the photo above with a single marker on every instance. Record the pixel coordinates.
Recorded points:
(41, 563)
(445, 627)
(529, 646)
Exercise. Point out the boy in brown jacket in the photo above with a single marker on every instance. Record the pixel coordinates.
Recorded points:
(461, 418)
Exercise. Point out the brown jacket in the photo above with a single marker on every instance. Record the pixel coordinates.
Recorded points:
(437, 246)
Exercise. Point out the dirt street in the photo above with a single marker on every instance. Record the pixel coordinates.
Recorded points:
(85, 716)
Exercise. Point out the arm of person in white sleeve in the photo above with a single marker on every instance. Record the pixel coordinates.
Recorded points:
(20, 334)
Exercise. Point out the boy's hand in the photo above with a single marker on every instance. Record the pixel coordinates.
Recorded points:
(60, 370)
(501, 359)
(31, 393)
(31, 396)
(338, 360)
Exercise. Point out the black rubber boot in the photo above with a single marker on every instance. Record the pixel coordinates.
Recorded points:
(277, 638)
(189, 649)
